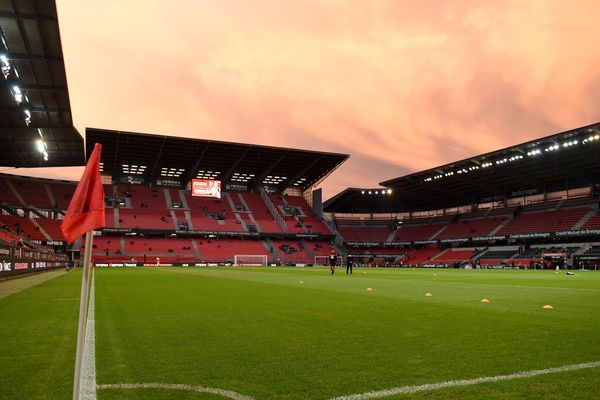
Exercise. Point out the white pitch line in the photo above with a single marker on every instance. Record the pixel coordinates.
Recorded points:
(190, 388)
(464, 382)
(88, 375)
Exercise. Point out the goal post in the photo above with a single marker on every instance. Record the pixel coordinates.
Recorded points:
(249, 260)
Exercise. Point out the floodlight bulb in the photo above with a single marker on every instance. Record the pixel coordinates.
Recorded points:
(40, 145)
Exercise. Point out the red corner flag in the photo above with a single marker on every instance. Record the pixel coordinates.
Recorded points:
(86, 210)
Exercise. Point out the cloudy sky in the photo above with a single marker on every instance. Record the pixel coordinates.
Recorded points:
(400, 85)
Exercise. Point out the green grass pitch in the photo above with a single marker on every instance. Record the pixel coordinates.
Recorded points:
(262, 333)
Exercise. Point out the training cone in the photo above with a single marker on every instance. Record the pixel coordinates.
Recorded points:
(548, 307)
(485, 301)
(301, 282)
(369, 289)
(428, 294)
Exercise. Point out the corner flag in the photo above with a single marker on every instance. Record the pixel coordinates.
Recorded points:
(85, 213)
(86, 210)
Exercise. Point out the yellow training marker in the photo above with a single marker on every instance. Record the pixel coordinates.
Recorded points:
(369, 289)
(428, 294)
(485, 301)
(548, 307)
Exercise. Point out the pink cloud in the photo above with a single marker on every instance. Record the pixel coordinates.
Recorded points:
(412, 85)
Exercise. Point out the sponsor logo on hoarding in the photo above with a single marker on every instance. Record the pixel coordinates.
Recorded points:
(23, 265)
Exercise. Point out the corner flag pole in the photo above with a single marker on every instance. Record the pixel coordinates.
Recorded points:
(84, 214)
(83, 305)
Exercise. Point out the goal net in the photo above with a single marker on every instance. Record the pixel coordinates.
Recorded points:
(251, 260)
(321, 261)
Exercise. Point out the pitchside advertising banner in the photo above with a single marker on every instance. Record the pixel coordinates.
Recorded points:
(206, 188)
(6, 266)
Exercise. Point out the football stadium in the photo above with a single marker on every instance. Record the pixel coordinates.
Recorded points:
(220, 270)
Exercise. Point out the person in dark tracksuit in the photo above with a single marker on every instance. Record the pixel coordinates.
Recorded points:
(349, 263)
(332, 261)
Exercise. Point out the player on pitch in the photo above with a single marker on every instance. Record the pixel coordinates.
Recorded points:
(332, 261)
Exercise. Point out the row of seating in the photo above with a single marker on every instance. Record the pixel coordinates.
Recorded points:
(529, 220)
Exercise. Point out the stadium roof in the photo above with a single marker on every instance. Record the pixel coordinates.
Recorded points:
(566, 160)
(176, 160)
(34, 98)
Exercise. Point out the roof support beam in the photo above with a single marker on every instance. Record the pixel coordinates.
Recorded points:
(228, 174)
(157, 159)
(27, 16)
(27, 57)
(258, 180)
(304, 170)
(40, 87)
(191, 173)
(35, 109)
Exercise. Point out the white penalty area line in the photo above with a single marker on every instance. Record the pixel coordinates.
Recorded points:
(465, 382)
(189, 388)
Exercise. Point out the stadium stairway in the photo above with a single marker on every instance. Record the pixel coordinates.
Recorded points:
(439, 232)
(278, 218)
(338, 240)
(117, 217)
(174, 218)
(249, 213)
(501, 225)
(254, 221)
(235, 212)
(391, 236)
(230, 201)
(271, 248)
(308, 249)
(168, 198)
(42, 231)
(243, 201)
(183, 200)
(478, 254)
(340, 249)
(188, 217)
(585, 218)
(241, 221)
(196, 249)
(440, 254)
(298, 220)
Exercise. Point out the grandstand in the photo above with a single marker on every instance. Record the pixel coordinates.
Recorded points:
(151, 214)
(483, 210)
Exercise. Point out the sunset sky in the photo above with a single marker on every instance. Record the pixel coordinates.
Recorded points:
(400, 85)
